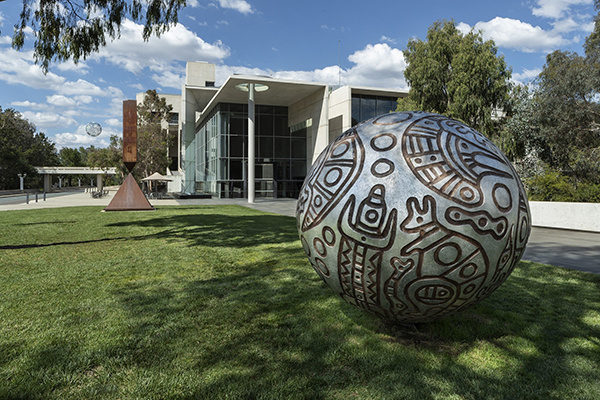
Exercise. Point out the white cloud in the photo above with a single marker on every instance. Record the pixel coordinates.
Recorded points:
(556, 8)
(512, 33)
(376, 65)
(566, 25)
(81, 87)
(81, 67)
(81, 138)
(48, 120)
(169, 79)
(17, 67)
(84, 99)
(59, 100)
(238, 5)
(117, 123)
(178, 44)
(29, 104)
(387, 39)
(526, 76)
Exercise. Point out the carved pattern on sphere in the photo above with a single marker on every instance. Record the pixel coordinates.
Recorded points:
(413, 216)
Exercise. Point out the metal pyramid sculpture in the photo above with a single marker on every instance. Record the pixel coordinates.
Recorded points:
(129, 197)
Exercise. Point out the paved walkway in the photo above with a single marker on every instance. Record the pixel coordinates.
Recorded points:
(80, 198)
(570, 249)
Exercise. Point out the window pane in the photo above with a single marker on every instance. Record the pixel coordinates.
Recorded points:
(238, 126)
(298, 170)
(355, 110)
(264, 110)
(265, 149)
(265, 125)
(236, 146)
(235, 169)
(282, 147)
(368, 108)
(299, 148)
(281, 126)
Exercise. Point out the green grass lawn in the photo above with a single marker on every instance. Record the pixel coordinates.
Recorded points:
(220, 302)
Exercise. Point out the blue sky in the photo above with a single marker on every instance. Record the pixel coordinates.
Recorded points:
(285, 39)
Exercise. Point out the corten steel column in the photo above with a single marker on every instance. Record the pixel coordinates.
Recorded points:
(251, 144)
(129, 134)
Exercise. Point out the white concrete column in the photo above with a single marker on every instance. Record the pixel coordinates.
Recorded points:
(99, 179)
(251, 142)
(47, 183)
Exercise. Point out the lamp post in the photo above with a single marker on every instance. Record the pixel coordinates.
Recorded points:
(21, 178)
(251, 88)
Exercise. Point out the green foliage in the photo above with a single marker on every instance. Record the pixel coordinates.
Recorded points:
(70, 157)
(109, 157)
(553, 132)
(406, 104)
(221, 303)
(153, 140)
(554, 186)
(457, 75)
(569, 112)
(550, 186)
(74, 29)
(21, 149)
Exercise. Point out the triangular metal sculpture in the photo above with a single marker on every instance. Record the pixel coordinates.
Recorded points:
(129, 197)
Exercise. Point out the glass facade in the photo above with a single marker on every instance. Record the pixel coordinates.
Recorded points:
(365, 107)
(221, 152)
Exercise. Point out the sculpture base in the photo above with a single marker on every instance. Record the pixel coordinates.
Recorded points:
(129, 197)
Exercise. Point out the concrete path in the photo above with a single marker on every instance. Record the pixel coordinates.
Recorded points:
(570, 249)
(80, 198)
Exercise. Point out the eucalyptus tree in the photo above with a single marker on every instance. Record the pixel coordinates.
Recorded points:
(458, 75)
(74, 29)
(153, 139)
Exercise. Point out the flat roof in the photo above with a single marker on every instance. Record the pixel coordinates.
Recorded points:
(280, 93)
(373, 91)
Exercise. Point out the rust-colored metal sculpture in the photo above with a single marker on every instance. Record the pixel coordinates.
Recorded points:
(129, 134)
(129, 197)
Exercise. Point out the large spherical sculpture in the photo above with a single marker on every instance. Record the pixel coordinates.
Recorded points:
(413, 216)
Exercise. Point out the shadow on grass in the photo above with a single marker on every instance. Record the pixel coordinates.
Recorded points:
(269, 328)
(218, 230)
(262, 334)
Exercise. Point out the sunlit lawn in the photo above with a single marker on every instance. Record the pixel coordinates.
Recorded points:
(220, 302)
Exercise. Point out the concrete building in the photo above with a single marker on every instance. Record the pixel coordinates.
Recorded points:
(294, 121)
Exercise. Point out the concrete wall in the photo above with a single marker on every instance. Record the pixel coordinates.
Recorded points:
(340, 104)
(187, 120)
(199, 73)
(312, 107)
(577, 216)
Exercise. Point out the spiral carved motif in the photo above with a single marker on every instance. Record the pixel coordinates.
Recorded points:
(413, 216)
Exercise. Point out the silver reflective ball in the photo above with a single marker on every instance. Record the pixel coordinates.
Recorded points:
(93, 129)
(413, 216)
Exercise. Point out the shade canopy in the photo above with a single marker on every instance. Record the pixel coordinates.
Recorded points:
(157, 177)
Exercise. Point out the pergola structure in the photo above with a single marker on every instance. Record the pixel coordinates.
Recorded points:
(49, 171)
